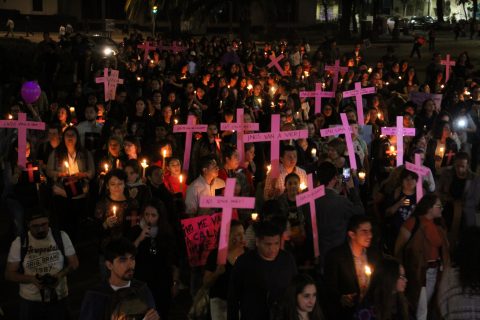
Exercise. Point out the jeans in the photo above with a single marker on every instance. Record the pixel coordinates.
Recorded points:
(426, 293)
(35, 310)
(218, 309)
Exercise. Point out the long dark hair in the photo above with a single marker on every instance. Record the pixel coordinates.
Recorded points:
(467, 258)
(289, 306)
(164, 227)
(425, 204)
(62, 152)
(384, 283)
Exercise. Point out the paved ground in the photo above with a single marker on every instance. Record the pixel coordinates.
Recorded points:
(87, 275)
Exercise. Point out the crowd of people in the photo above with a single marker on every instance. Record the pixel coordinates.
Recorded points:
(387, 250)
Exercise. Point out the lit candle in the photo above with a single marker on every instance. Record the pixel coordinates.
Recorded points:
(361, 175)
(399, 78)
(72, 109)
(442, 86)
(260, 101)
(324, 85)
(144, 166)
(379, 115)
(314, 152)
(175, 121)
(181, 181)
(272, 105)
(387, 83)
(164, 152)
(139, 78)
(307, 74)
(269, 167)
(254, 216)
(152, 62)
(369, 70)
(10, 117)
(249, 87)
(114, 210)
(117, 163)
(368, 273)
(67, 167)
(303, 186)
(106, 168)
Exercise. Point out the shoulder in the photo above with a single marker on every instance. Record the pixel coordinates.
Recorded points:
(68, 248)
(14, 253)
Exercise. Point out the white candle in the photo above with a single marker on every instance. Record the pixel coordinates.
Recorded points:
(106, 168)
(314, 152)
(144, 166)
(269, 167)
(254, 216)
(114, 210)
(303, 186)
(72, 109)
(67, 166)
(361, 175)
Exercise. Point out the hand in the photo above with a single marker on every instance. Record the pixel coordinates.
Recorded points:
(133, 193)
(111, 221)
(151, 315)
(144, 234)
(348, 300)
(175, 289)
(349, 183)
(34, 280)
(401, 201)
(220, 269)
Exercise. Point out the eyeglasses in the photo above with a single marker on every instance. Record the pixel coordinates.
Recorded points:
(438, 206)
(402, 277)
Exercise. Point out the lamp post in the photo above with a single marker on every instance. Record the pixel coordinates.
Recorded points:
(154, 16)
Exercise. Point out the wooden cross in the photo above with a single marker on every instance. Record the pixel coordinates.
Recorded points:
(447, 63)
(275, 62)
(449, 156)
(358, 92)
(335, 70)
(318, 94)
(189, 129)
(30, 171)
(399, 131)
(421, 171)
(146, 47)
(110, 83)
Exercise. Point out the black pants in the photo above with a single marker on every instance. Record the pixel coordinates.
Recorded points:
(35, 310)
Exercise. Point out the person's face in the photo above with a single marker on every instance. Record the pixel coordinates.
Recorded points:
(234, 161)
(212, 131)
(114, 147)
(362, 236)
(122, 267)
(130, 148)
(422, 143)
(292, 186)
(39, 228)
(327, 111)
(151, 216)
(121, 97)
(311, 130)
(250, 154)
(175, 167)
(62, 115)
(402, 280)
(53, 135)
(116, 186)
(437, 209)
(237, 236)
(157, 177)
(268, 247)
(132, 176)
(332, 153)
(167, 112)
(461, 168)
(90, 114)
(307, 298)
(446, 131)
(140, 106)
(256, 90)
(409, 183)
(157, 98)
(171, 97)
(160, 132)
(212, 170)
(289, 159)
(70, 138)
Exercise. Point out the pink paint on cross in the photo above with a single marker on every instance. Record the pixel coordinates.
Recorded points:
(399, 131)
(422, 171)
(240, 127)
(449, 156)
(110, 83)
(274, 136)
(309, 197)
(146, 47)
(22, 125)
(189, 129)
(335, 70)
(358, 93)
(318, 94)
(30, 168)
(227, 202)
(347, 131)
(275, 62)
(447, 63)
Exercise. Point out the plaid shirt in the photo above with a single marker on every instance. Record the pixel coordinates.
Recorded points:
(268, 192)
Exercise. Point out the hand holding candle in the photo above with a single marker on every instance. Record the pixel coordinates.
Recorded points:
(254, 216)
(65, 163)
(114, 211)
(106, 168)
(144, 167)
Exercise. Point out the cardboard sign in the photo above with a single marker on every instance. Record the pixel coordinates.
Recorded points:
(201, 234)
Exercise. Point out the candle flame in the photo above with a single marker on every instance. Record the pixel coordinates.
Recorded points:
(368, 271)
(10, 117)
(361, 175)
(254, 216)
(72, 109)
(66, 164)
(303, 186)
(181, 178)
(175, 121)
(314, 152)
(392, 148)
(249, 87)
(106, 167)
(144, 163)
(114, 209)
(269, 167)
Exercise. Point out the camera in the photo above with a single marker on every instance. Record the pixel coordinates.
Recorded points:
(48, 292)
(346, 174)
(460, 123)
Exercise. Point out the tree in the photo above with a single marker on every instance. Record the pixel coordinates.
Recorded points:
(345, 20)
(463, 3)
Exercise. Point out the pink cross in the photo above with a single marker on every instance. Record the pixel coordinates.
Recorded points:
(175, 48)
(449, 155)
(228, 202)
(318, 94)
(110, 83)
(336, 69)
(274, 137)
(419, 169)
(189, 129)
(274, 62)
(447, 63)
(30, 168)
(347, 131)
(240, 127)
(358, 92)
(22, 125)
(309, 197)
(399, 131)
(147, 47)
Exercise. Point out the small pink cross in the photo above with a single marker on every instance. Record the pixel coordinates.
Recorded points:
(175, 48)
(347, 131)
(358, 92)
(449, 156)
(22, 125)
(447, 63)
(274, 137)
(189, 129)
(309, 197)
(399, 131)
(30, 168)
(227, 202)
(419, 169)
(110, 83)
(146, 47)
(318, 94)
(275, 62)
(240, 127)
(335, 70)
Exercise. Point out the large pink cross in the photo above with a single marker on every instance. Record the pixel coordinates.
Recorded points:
(146, 47)
(228, 202)
(399, 131)
(22, 125)
(347, 131)
(275, 62)
(318, 94)
(274, 136)
(336, 69)
(174, 48)
(110, 83)
(358, 92)
(421, 171)
(447, 63)
(240, 127)
(189, 129)
(309, 197)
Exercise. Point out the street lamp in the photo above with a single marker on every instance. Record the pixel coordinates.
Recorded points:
(154, 16)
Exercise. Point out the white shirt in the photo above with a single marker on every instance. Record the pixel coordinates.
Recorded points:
(87, 126)
(199, 187)
(43, 256)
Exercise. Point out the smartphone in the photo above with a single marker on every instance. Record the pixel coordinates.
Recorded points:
(346, 174)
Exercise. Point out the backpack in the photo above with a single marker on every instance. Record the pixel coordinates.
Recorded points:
(24, 241)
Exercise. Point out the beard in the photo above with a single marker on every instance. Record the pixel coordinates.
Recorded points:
(41, 235)
(128, 275)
